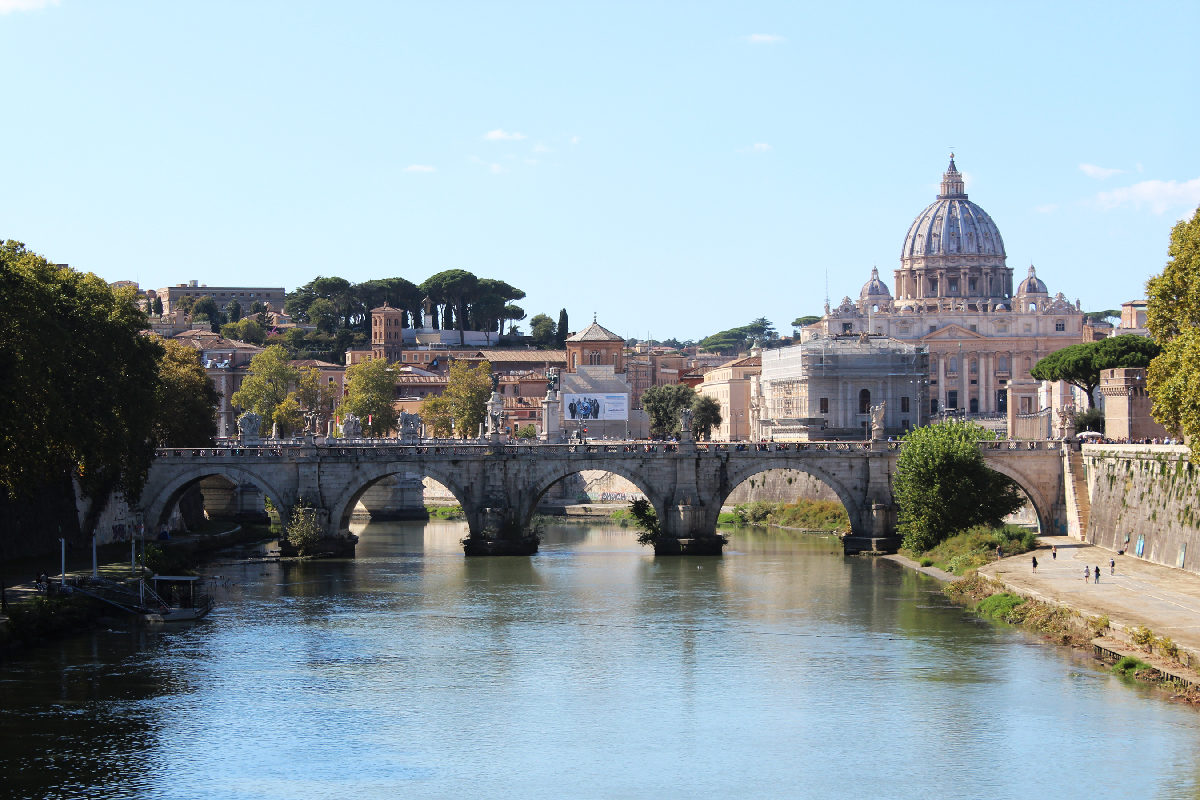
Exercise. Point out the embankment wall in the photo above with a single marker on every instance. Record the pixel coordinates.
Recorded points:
(1145, 500)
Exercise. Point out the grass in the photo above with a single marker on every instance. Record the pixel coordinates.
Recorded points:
(445, 512)
(971, 549)
(1130, 666)
(815, 515)
(999, 606)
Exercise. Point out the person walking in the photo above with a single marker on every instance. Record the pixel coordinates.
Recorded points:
(1035, 563)
(1112, 566)
(1087, 573)
(1097, 573)
(1054, 552)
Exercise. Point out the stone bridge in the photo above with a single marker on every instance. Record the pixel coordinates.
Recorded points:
(500, 485)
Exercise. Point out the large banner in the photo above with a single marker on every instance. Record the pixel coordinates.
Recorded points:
(595, 406)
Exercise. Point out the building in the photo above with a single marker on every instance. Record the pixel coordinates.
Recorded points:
(594, 393)
(730, 385)
(246, 296)
(825, 388)
(1127, 406)
(954, 296)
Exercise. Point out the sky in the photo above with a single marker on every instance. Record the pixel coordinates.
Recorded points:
(675, 168)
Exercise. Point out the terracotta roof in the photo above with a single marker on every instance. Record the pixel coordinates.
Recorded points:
(386, 307)
(595, 333)
(312, 362)
(527, 356)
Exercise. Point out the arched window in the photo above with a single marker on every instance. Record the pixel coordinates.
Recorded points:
(974, 367)
(1002, 364)
(594, 357)
(864, 402)
(953, 363)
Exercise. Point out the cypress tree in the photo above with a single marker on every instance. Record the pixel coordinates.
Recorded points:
(560, 336)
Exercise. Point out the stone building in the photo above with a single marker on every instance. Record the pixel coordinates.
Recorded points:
(1127, 406)
(246, 296)
(954, 295)
(825, 388)
(730, 385)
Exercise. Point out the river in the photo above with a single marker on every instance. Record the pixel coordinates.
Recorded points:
(591, 670)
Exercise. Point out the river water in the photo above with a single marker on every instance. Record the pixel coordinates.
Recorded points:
(591, 670)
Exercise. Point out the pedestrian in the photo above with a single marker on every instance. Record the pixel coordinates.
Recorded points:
(1087, 573)
(1112, 566)
(999, 552)
(1097, 573)
(1054, 552)
(1035, 563)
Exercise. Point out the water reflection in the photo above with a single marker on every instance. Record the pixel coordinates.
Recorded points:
(593, 669)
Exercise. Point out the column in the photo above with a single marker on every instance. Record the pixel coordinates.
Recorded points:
(964, 378)
(941, 357)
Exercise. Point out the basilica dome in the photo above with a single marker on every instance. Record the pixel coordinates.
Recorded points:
(953, 226)
(875, 290)
(1032, 284)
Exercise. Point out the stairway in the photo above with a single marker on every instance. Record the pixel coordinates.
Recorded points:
(1079, 503)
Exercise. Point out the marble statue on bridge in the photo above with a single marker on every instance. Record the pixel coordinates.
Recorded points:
(351, 427)
(249, 427)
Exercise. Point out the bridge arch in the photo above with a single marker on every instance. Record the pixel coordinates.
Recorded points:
(1042, 507)
(545, 477)
(159, 500)
(341, 506)
(852, 497)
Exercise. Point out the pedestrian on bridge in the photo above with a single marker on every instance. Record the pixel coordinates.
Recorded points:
(1087, 573)
(1054, 551)
(1097, 573)
(1112, 566)
(1035, 563)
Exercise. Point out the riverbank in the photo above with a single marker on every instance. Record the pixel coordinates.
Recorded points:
(1152, 611)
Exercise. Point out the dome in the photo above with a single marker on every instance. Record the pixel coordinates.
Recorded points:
(875, 290)
(1032, 284)
(952, 226)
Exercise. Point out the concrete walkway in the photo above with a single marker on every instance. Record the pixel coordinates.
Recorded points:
(1164, 599)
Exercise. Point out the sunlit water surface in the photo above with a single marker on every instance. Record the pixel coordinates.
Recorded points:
(590, 670)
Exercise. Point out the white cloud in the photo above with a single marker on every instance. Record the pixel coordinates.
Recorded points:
(496, 169)
(1048, 208)
(1092, 171)
(9, 6)
(541, 148)
(1159, 196)
(501, 135)
(757, 147)
(764, 38)
(575, 140)
(420, 168)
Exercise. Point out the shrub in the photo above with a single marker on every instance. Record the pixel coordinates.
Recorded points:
(1000, 606)
(927, 562)
(304, 530)
(646, 519)
(1167, 647)
(1098, 624)
(1142, 636)
(1129, 666)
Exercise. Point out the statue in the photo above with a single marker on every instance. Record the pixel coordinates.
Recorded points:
(877, 413)
(495, 382)
(552, 380)
(1066, 422)
(249, 426)
(312, 422)
(351, 427)
(685, 419)
(410, 426)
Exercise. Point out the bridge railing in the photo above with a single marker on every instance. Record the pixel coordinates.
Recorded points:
(389, 448)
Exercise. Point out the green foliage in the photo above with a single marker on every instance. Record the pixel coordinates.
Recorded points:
(942, 485)
(813, 515)
(246, 330)
(185, 399)
(999, 606)
(461, 407)
(801, 322)
(1128, 666)
(44, 618)
(561, 330)
(971, 549)
(926, 562)
(1173, 319)
(80, 380)
(735, 340)
(1142, 636)
(663, 404)
(526, 431)
(446, 512)
(370, 390)
(1080, 364)
(304, 530)
(267, 384)
(646, 520)
(159, 560)
(1091, 419)
(457, 288)
(1103, 316)
(706, 415)
(542, 331)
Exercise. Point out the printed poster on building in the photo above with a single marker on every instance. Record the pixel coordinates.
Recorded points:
(595, 406)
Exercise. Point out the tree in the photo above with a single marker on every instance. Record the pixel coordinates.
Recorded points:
(186, 399)
(158, 306)
(735, 340)
(323, 314)
(663, 404)
(801, 322)
(206, 308)
(370, 392)
(80, 388)
(1080, 364)
(541, 329)
(560, 336)
(233, 310)
(1173, 319)
(268, 383)
(455, 287)
(942, 485)
(646, 520)
(246, 330)
(706, 415)
(463, 404)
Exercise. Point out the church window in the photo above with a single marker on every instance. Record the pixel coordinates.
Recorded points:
(1002, 364)
(933, 406)
(953, 287)
(847, 327)
(953, 364)
(824, 405)
(932, 328)
(933, 286)
(974, 405)
(974, 328)
(974, 367)
(952, 399)
(864, 401)
(971, 285)
(904, 404)
(1059, 325)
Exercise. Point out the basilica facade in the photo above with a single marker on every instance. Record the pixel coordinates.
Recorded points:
(954, 295)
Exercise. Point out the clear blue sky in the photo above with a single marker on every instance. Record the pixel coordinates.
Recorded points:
(677, 168)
